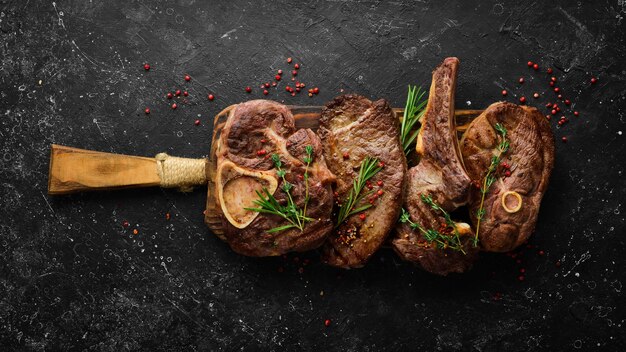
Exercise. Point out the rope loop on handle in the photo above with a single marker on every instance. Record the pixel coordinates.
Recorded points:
(181, 173)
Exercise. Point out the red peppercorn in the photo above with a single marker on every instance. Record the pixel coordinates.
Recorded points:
(248, 89)
(187, 78)
(593, 80)
(316, 90)
(211, 97)
(280, 72)
(557, 89)
(575, 113)
(177, 93)
(507, 173)
(381, 164)
(174, 106)
(521, 80)
(170, 95)
(551, 84)
(522, 100)
(185, 93)
(147, 111)
(536, 95)
(535, 67)
(294, 73)
(380, 192)
(298, 89)
(277, 77)
(266, 85)
(530, 63)
(542, 252)
(327, 322)
(288, 88)
(549, 105)
(553, 112)
(560, 97)
(567, 102)
(125, 223)
(296, 66)
(504, 93)
(521, 278)
(362, 216)
(197, 122)
(146, 67)
(549, 70)
(293, 94)
(564, 139)
(553, 79)
(265, 92)
(289, 60)
(346, 156)
(522, 270)
(379, 183)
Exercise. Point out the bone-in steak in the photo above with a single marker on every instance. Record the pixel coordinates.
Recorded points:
(352, 128)
(440, 175)
(254, 131)
(512, 203)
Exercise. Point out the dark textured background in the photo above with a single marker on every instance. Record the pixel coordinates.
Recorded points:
(71, 277)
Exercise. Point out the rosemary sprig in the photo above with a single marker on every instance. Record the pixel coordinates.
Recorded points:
(430, 202)
(413, 112)
(431, 235)
(268, 204)
(490, 178)
(369, 168)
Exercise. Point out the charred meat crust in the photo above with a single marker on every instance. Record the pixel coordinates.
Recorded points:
(351, 128)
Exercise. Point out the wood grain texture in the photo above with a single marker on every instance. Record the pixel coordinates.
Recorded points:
(77, 170)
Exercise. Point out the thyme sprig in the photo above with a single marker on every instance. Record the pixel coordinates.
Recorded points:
(442, 241)
(268, 204)
(369, 168)
(413, 112)
(490, 177)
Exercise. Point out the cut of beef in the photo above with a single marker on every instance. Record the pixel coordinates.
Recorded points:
(512, 203)
(352, 128)
(441, 176)
(254, 131)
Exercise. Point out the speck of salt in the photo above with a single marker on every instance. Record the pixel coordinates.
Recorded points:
(468, 103)
(619, 133)
(577, 274)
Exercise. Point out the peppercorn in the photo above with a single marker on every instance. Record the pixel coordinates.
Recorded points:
(211, 97)
(530, 63)
(177, 93)
(197, 122)
(174, 106)
(557, 89)
(294, 73)
(564, 139)
(327, 322)
(170, 95)
(147, 111)
(248, 89)
(277, 77)
(567, 102)
(521, 80)
(593, 80)
(362, 216)
(296, 66)
(504, 92)
(187, 78)
(146, 67)
(265, 92)
(536, 95)
(575, 113)
(185, 93)
(522, 100)
(289, 60)
(549, 70)
(535, 67)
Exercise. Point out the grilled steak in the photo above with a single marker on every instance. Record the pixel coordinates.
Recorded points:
(254, 131)
(441, 176)
(512, 203)
(352, 128)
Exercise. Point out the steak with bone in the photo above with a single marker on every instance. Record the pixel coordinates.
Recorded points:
(440, 176)
(254, 132)
(353, 128)
(512, 203)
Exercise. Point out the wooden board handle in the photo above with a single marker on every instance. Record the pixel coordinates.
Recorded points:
(76, 170)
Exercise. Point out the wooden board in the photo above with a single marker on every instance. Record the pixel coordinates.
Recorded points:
(305, 117)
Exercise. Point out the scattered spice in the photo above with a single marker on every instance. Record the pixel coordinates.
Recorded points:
(530, 63)
(125, 223)
(174, 106)
(522, 100)
(289, 60)
(187, 78)
(170, 95)
(197, 122)
(146, 67)
(504, 93)
(147, 111)
(535, 67)
(167, 216)
(135, 231)
(594, 80)
(549, 71)
(296, 66)
(265, 92)
(536, 95)
(521, 80)
(248, 89)
(327, 322)
(177, 93)
(557, 89)
(185, 93)
(211, 97)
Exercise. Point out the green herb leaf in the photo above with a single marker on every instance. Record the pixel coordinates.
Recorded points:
(369, 168)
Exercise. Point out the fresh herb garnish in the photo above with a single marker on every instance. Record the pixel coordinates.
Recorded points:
(369, 168)
(413, 112)
(443, 241)
(490, 178)
(267, 203)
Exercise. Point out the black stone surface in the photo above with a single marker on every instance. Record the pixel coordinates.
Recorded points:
(72, 278)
